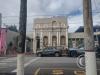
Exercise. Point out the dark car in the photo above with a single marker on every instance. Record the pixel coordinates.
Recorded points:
(74, 52)
(98, 51)
(49, 51)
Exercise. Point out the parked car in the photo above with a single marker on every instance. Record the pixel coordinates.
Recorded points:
(98, 51)
(74, 52)
(81, 50)
(49, 51)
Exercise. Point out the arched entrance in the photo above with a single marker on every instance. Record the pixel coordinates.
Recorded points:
(54, 41)
(38, 42)
(45, 41)
(62, 40)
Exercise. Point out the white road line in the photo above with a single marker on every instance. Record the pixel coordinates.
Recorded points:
(26, 64)
(8, 60)
(37, 71)
(63, 68)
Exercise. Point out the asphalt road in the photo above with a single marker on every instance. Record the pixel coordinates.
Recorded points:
(42, 65)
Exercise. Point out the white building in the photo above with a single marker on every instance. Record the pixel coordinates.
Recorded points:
(54, 32)
(50, 32)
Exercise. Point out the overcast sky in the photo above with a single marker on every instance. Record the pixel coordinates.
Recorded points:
(39, 8)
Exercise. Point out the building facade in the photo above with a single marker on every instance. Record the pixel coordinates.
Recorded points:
(9, 42)
(7, 39)
(51, 31)
(76, 39)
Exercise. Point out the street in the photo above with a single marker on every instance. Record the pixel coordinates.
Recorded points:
(42, 65)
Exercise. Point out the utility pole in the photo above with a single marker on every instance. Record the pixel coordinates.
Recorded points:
(0, 20)
(90, 58)
(52, 34)
(22, 37)
(0, 24)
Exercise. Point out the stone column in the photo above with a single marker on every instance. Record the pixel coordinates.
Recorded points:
(49, 39)
(41, 40)
(57, 38)
(74, 43)
(67, 38)
(34, 42)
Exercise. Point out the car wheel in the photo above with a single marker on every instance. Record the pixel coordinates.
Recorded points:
(39, 54)
(73, 54)
(57, 54)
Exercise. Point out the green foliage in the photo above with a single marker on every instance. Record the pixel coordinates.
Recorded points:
(13, 28)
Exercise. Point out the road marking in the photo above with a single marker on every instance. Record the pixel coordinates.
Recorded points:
(37, 71)
(8, 60)
(62, 68)
(26, 64)
(79, 72)
(57, 72)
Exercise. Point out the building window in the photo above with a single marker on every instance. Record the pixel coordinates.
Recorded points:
(62, 41)
(54, 41)
(45, 41)
(54, 23)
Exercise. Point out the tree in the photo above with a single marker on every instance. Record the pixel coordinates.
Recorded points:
(13, 28)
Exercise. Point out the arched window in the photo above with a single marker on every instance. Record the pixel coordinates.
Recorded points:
(38, 42)
(62, 40)
(54, 41)
(54, 24)
(45, 41)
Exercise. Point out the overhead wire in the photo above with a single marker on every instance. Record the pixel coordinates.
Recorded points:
(95, 4)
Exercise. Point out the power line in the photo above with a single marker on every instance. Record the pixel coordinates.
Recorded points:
(96, 6)
(34, 16)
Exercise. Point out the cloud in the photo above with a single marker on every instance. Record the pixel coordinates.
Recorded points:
(96, 19)
(40, 8)
(55, 5)
(74, 22)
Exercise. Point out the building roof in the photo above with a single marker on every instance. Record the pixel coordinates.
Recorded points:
(47, 20)
(96, 28)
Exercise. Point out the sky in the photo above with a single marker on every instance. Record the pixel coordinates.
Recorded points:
(72, 9)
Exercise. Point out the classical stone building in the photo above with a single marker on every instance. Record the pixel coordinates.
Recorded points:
(51, 31)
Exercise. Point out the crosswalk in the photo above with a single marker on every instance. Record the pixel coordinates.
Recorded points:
(10, 64)
(28, 63)
(12, 59)
(7, 62)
